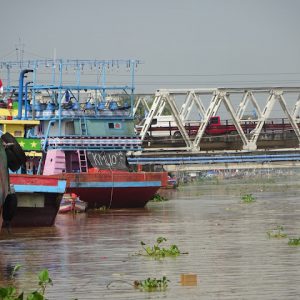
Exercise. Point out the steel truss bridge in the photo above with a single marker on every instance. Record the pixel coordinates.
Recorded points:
(265, 101)
(283, 102)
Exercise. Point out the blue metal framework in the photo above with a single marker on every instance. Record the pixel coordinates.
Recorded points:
(101, 66)
(67, 81)
(213, 159)
(56, 72)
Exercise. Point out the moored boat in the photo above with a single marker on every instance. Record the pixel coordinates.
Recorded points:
(38, 199)
(172, 182)
(82, 128)
(12, 157)
(72, 203)
(114, 189)
(30, 200)
(4, 179)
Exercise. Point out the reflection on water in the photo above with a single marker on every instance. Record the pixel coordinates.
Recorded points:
(93, 255)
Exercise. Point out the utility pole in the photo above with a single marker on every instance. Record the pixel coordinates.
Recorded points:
(20, 52)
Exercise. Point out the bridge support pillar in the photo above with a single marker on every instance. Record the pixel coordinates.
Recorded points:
(250, 146)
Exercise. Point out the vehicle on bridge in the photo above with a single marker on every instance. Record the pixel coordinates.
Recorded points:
(217, 127)
(162, 126)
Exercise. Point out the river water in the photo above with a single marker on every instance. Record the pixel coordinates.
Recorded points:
(95, 255)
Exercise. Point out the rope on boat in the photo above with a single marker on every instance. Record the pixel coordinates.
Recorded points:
(112, 188)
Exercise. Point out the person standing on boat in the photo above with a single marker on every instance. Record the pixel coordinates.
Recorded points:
(67, 103)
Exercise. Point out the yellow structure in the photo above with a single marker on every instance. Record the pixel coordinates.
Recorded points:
(17, 127)
(5, 112)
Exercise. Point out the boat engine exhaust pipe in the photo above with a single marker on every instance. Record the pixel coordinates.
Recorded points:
(20, 95)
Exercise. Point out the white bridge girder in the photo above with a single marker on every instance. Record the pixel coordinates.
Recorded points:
(218, 96)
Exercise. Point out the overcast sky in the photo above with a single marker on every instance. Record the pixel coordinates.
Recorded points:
(191, 43)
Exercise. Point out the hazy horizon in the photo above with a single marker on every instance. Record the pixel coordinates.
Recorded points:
(186, 44)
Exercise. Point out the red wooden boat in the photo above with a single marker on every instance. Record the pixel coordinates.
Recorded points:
(38, 198)
(115, 188)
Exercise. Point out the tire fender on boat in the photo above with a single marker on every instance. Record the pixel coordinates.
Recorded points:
(15, 154)
(9, 208)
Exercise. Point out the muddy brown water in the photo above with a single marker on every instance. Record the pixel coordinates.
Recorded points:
(94, 255)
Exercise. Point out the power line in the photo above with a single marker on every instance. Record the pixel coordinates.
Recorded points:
(34, 54)
(220, 74)
(7, 54)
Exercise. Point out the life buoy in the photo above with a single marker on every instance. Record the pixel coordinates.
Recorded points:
(15, 154)
(9, 208)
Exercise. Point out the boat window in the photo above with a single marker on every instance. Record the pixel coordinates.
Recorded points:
(111, 125)
(154, 122)
(214, 120)
(18, 133)
(70, 129)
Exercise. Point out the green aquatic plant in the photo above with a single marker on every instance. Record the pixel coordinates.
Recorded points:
(147, 285)
(157, 251)
(294, 242)
(15, 270)
(277, 232)
(11, 293)
(158, 198)
(248, 198)
(152, 284)
(102, 208)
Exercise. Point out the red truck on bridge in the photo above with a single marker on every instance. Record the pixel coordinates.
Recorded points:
(216, 127)
(166, 126)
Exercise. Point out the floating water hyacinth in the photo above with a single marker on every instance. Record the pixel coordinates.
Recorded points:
(157, 251)
(248, 198)
(277, 232)
(152, 284)
(294, 242)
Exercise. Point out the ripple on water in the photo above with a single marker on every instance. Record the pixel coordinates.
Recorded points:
(93, 256)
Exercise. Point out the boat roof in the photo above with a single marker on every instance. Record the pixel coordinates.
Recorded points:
(20, 122)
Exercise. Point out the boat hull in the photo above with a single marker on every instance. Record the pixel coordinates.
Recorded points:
(36, 216)
(4, 182)
(117, 197)
(39, 199)
(72, 203)
(114, 189)
(68, 208)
